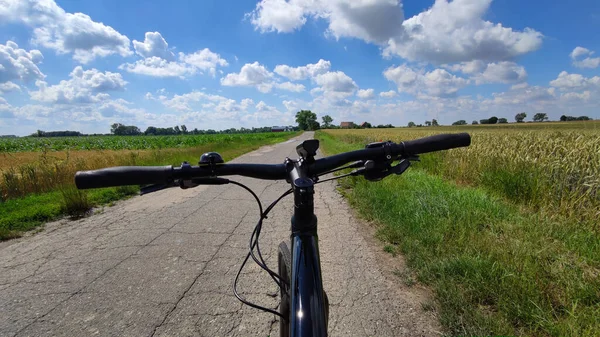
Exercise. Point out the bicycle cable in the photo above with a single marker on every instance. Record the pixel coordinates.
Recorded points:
(254, 243)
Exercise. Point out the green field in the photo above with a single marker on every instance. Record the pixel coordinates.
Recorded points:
(37, 186)
(29, 144)
(505, 232)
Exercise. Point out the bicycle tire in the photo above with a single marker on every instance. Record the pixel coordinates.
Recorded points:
(284, 263)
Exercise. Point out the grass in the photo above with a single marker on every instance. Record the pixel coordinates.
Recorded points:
(495, 269)
(44, 190)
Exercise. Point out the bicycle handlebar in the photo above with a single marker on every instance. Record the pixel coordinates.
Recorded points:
(141, 175)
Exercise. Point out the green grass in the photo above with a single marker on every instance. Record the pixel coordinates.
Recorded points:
(30, 210)
(495, 269)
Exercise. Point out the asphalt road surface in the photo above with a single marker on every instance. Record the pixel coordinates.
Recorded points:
(163, 264)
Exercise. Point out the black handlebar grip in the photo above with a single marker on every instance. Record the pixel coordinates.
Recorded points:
(124, 175)
(436, 143)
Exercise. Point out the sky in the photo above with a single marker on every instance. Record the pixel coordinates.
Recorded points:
(84, 65)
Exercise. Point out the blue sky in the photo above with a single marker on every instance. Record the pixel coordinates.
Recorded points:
(83, 65)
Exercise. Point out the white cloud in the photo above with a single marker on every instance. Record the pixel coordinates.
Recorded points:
(8, 87)
(159, 61)
(154, 45)
(251, 75)
(301, 73)
(566, 81)
(500, 72)
(157, 67)
(289, 86)
(588, 62)
(447, 32)
(19, 64)
(336, 82)
(366, 93)
(388, 94)
(204, 60)
(455, 32)
(84, 86)
(438, 82)
(65, 32)
(370, 20)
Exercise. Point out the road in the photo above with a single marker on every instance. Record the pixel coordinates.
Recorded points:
(163, 264)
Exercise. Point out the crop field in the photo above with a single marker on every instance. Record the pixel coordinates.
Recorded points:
(505, 232)
(36, 174)
(34, 144)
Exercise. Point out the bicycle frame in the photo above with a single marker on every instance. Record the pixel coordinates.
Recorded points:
(307, 303)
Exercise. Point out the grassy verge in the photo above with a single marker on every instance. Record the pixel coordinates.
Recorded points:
(54, 193)
(495, 270)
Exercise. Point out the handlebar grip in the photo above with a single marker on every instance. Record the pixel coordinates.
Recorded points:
(436, 143)
(124, 175)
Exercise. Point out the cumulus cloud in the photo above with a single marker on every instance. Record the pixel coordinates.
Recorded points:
(336, 82)
(289, 86)
(19, 64)
(388, 94)
(588, 62)
(65, 32)
(159, 61)
(8, 87)
(448, 32)
(566, 81)
(366, 93)
(154, 45)
(500, 72)
(251, 75)
(84, 86)
(438, 82)
(303, 72)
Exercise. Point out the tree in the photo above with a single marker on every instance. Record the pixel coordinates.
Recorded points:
(427, 123)
(502, 120)
(327, 120)
(184, 129)
(520, 117)
(540, 117)
(367, 125)
(493, 120)
(434, 122)
(474, 123)
(411, 124)
(307, 120)
(460, 122)
(484, 121)
(563, 118)
(124, 130)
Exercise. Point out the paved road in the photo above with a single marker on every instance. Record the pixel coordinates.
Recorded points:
(163, 265)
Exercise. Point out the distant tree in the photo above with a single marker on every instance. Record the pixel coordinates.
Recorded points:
(124, 130)
(520, 117)
(502, 120)
(411, 124)
(540, 117)
(474, 123)
(177, 129)
(427, 123)
(484, 121)
(327, 120)
(434, 122)
(366, 125)
(460, 122)
(184, 129)
(307, 120)
(563, 118)
(493, 120)
(583, 118)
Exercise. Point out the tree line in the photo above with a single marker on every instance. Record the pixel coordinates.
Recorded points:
(519, 118)
(307, 120)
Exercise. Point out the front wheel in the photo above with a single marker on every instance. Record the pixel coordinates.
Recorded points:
(284, 262)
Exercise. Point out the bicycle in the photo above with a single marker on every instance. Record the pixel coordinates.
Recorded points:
(304, 306)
